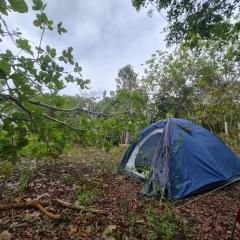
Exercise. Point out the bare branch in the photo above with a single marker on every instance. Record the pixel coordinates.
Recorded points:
(10, 35)
(77, 108)
(40, 43)
(22, 107)
(41, 104)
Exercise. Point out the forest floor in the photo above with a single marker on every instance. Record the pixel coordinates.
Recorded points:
(88, 177)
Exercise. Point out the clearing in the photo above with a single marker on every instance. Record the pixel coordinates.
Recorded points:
(89, 177)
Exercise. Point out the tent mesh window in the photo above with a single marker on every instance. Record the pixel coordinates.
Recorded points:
(146, 153)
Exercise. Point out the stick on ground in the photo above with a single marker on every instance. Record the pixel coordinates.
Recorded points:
(31, 204)
(79, 207)
(39, 205)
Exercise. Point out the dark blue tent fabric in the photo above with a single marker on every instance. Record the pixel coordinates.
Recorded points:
(188, 157)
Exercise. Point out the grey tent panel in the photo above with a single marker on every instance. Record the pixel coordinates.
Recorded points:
(147, 151)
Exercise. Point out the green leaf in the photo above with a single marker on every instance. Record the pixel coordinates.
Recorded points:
(37, 22)
(8, 54)
(19, 79)
(18, 6)
(24, 45)
(21, 82)
(48, 49)
(62, 30)
(53, 53)
(38, 5)
(70, 49)
(59, 24)
(41, 18)
(5, 69)
(77, 68)
(3, 7)
(61, 58)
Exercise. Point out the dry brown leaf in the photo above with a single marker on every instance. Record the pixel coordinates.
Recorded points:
(5, 235)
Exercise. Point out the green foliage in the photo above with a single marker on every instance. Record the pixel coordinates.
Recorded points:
(6, 169)
(195, 21)
(25, 175)
(87, 194)
(18, 6)
(200, 86)
(161, 225)
(38, 5)
(30, 82)
(35, 149)
(5, 69)
(127, 78)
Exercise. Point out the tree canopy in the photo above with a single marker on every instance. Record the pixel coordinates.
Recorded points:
(127, 78)
(192, 21)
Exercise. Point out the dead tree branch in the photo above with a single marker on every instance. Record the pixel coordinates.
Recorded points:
(79, 207)
(32, 204)
(38, 204)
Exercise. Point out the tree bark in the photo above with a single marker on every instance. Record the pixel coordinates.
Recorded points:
(226, 128)
(127, 138)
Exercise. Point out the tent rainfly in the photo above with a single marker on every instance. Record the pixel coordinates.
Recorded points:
(177, 158)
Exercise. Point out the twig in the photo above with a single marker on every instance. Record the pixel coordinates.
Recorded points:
(159, 11)
(40, 43)
(79, 207)
(10, 35)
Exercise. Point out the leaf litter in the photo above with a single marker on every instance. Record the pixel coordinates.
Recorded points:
(88, 176)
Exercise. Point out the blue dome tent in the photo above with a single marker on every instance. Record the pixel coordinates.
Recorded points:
(177, 158)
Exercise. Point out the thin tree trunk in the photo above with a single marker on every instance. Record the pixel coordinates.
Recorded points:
(127, 138)
(123, 138)
(226, 128)
(239, 130)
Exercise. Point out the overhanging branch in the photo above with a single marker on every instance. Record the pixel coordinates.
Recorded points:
(44, 105)
(22, 107)
(75, 109)
(61, 122)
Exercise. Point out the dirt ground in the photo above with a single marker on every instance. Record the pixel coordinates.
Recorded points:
(89, 177)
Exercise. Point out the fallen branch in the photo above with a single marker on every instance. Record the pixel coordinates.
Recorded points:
(39, 205)
(31, 204)
(79, 207)
(46, 212)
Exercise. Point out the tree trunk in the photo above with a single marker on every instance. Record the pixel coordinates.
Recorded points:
(226, 128)
(127, 138)
(239, 130)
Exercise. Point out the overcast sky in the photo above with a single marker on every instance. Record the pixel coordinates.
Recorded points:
(105, 36)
